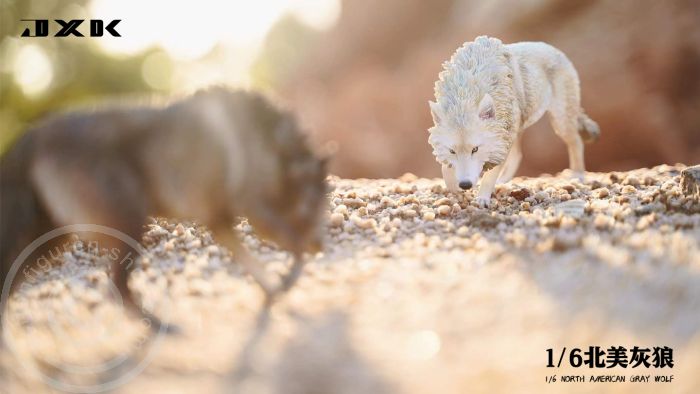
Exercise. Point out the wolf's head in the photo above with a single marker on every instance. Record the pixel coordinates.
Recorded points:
(283, 194)
(474, 112)
(470, 146)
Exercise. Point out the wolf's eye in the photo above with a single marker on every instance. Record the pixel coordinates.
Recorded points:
(452, 151)
(476, 149)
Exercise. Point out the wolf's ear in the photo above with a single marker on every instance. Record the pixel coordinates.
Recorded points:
(486, 110)
(436, 111)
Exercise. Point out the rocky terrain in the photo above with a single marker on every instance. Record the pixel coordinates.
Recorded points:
(418, 290)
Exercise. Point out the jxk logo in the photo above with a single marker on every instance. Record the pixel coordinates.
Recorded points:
(70, 28)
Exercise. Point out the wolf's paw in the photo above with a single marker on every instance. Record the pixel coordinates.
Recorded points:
(575, 175)
(483, 201)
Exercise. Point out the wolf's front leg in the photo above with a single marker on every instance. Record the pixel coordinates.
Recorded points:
(510, 166)
(448, 174)
(488, 182)
(225, 235)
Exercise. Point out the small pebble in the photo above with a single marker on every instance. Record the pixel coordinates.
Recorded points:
(409, 213)
(387, 202)
(179, 230)
(444, 210)
(601, 221)
(337, 219)
(442, 201)
(520, 194)
(602, 193)
(341, 209)
(628, 189)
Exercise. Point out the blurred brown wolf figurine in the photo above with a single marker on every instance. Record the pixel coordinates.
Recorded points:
(212, 157)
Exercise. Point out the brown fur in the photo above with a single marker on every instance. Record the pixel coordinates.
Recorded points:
(212, 157)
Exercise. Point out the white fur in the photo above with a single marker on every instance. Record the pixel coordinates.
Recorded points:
(486, 95)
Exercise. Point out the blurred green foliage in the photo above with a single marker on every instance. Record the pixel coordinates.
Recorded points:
(283, 51)
(82, 72)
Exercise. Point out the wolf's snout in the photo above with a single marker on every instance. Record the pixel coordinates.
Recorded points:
(465, 185)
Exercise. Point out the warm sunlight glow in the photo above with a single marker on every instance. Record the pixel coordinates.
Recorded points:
(423, 345)
(32, 70)
(190, 30)
(320, 14)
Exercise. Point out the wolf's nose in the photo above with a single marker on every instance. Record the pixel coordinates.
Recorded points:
(465, 185)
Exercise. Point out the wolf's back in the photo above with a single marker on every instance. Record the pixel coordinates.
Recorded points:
(22, 217)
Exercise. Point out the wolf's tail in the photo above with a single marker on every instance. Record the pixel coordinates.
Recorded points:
(22, 217)
(588, 128)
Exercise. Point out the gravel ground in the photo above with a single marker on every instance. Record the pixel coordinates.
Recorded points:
(418, 290)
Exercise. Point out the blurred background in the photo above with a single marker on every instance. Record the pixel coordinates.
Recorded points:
(359, 73)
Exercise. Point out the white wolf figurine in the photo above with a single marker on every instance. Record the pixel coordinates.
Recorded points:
(487, 94)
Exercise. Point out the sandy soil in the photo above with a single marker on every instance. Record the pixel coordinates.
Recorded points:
(418, 291)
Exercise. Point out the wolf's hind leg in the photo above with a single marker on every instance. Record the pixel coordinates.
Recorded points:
(564, 117)
(567, 129)
(510, 167)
